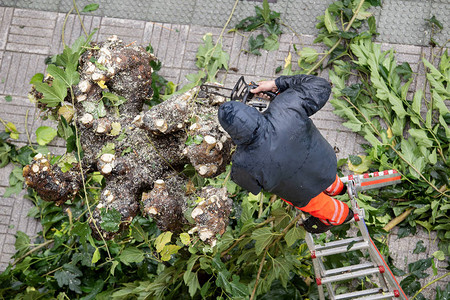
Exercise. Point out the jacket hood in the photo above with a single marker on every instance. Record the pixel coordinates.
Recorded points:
(240, 121)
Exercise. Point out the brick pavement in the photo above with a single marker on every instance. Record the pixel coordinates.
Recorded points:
(27, 37)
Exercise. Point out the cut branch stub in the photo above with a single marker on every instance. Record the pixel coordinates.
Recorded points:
(163, 207)
(212, 214)
(50, 182)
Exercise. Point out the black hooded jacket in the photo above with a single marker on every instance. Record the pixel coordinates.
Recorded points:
(281, 151)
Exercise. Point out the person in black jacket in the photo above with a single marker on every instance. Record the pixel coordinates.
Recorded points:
(282, 152)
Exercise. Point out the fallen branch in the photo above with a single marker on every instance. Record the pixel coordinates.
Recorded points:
(339, 41)
(394, 222)
(274, 242)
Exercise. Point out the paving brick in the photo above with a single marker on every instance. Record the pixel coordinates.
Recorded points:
(250, 67)
(3, 227)
(168, 44)
(10, 237)
(8, 248)
(155, 39)
(72, 30)
(181, 45)
(5, 211)
(164, 43)
(5, 258)
(127, 30)
(6, 15)
(28, 22)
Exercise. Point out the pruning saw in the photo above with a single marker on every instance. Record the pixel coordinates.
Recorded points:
(241, 92)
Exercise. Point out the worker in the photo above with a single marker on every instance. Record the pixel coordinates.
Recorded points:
(282, 152)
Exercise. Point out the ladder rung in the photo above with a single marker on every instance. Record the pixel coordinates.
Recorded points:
(350, 275)
(380, 296)
(371, 292)
(342, 249)
(340, 243)
(351, 268)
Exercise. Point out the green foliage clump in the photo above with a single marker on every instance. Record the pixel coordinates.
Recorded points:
(267, 19)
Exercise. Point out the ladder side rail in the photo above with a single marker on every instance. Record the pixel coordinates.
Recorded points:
(373, 250)
(389, 277)
(316, 265)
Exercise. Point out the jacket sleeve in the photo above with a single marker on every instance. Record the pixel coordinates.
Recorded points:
(312, 91)
(245, 180)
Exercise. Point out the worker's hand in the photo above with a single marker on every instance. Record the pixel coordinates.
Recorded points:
(265, 86)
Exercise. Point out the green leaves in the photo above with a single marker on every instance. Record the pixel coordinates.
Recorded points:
(162, 240)
(131, 255)
(309, 55)
(256, 43)
(234, 287)
(435, 22)
(166, 251)
(68, 276)
(419, 247)
(263, 237)
(45, 135)
(271, 43)
(111, 219)
(22, 243)
(114, 99)
(90, 7)
(196, 139)
(267, 19)
(54, 94)
(69, 76)
(330, 24)
(293, 235)
(63, 69)
(107, 149)
(12, 130)
(16, 182)
(211, 57)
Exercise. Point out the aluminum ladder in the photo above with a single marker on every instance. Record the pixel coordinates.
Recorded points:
(389, 287)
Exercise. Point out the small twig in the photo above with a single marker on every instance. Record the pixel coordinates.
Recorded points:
(31, 251)
(52, 271)
(26, 130)
(354, 15)
(64, 27)
(225, 181)
(394, 222)
(294, 32)
(428, 284)
(261, 265)
(261, 202)
(244, 235)
(79, 17)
